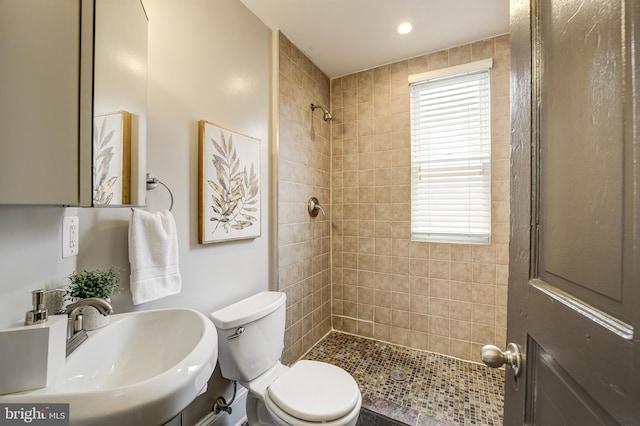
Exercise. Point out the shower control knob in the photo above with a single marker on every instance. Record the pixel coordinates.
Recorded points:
(493, 357)
(314, 206)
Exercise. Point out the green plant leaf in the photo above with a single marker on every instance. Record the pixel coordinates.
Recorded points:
(97, 283)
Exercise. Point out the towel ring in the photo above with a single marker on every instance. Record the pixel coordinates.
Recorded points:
(152, 183)
(163, 184)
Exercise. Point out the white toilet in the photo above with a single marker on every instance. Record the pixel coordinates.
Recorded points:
(251, 340)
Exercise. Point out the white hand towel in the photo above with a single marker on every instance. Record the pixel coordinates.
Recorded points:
(153, 255)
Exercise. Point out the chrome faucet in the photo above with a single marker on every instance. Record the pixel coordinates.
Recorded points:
(101, 305)
(76, 334)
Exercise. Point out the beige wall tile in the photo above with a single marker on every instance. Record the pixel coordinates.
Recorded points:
(460, 330)
(382, 332)
(420, 322)
(461, 253)
(461, 291)
(501, 296)
(484, 254)
(401, 283)
(439, 344)
(484, 273)
(420, 305)
(485, 294)
(382, 315)
(440, 269)
(400, 301)
(439, 307)
(365, 93)
(400, 319)
(462, 271)
(460, 349)
(439, 326)
(482, 49)
(382, 298)
(438, 60)
(440, 289)
(400, 336)
(460, 310)
(365, 312)
(482, 333)
(460, 55)
(417, 65)
(365, 329)
(419, 340)
(349, 82)
(483, 314)
(419, 249)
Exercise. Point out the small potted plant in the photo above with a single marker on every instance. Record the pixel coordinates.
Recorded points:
(100, 283)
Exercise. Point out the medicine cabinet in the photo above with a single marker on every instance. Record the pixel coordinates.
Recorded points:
(73, 78)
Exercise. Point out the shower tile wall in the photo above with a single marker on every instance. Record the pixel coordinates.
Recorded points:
(446, 298)
(303, 172)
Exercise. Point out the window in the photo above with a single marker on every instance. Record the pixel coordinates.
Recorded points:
(451, 154)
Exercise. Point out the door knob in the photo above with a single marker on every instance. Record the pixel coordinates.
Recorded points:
(493, 357)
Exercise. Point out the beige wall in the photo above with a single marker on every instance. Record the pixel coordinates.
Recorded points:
(447, 298)
(303, 172)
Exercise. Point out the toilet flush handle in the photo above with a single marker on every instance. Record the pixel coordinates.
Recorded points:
(238, 333)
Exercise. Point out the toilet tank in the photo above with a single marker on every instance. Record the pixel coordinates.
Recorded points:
(250, 335)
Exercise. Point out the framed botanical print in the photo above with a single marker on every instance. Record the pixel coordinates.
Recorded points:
(228, 185)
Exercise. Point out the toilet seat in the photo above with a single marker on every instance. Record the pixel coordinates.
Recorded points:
(314, 392)
(283, 419)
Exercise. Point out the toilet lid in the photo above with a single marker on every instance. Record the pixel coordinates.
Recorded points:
(315, 391)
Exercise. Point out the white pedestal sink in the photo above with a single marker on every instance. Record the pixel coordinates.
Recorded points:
(143, 368)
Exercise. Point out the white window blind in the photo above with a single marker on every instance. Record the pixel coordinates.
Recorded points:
(451, 155)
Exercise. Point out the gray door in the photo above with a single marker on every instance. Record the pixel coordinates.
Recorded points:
(574, 287)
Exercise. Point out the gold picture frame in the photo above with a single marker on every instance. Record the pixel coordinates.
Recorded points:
(229, 199)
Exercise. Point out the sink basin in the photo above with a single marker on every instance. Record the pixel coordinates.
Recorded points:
(143, 368)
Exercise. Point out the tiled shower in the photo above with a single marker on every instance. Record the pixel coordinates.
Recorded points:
(357, 270)
(304, 170)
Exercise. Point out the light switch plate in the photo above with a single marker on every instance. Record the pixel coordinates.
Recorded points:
(70, 236)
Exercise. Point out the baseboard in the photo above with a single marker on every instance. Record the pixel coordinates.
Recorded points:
(238, 413)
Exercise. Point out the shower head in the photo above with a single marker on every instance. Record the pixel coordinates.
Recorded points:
(327, 114)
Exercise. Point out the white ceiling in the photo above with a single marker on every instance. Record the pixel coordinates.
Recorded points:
(345, 36)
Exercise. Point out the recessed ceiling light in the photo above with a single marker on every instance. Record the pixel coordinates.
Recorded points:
(404, 28)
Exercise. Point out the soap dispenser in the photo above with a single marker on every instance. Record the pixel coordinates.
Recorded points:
(33, 352)
(38, 314)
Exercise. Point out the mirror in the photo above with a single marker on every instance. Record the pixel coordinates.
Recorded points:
(119, 103)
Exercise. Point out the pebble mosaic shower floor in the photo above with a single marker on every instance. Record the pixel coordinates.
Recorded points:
(438, 390)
